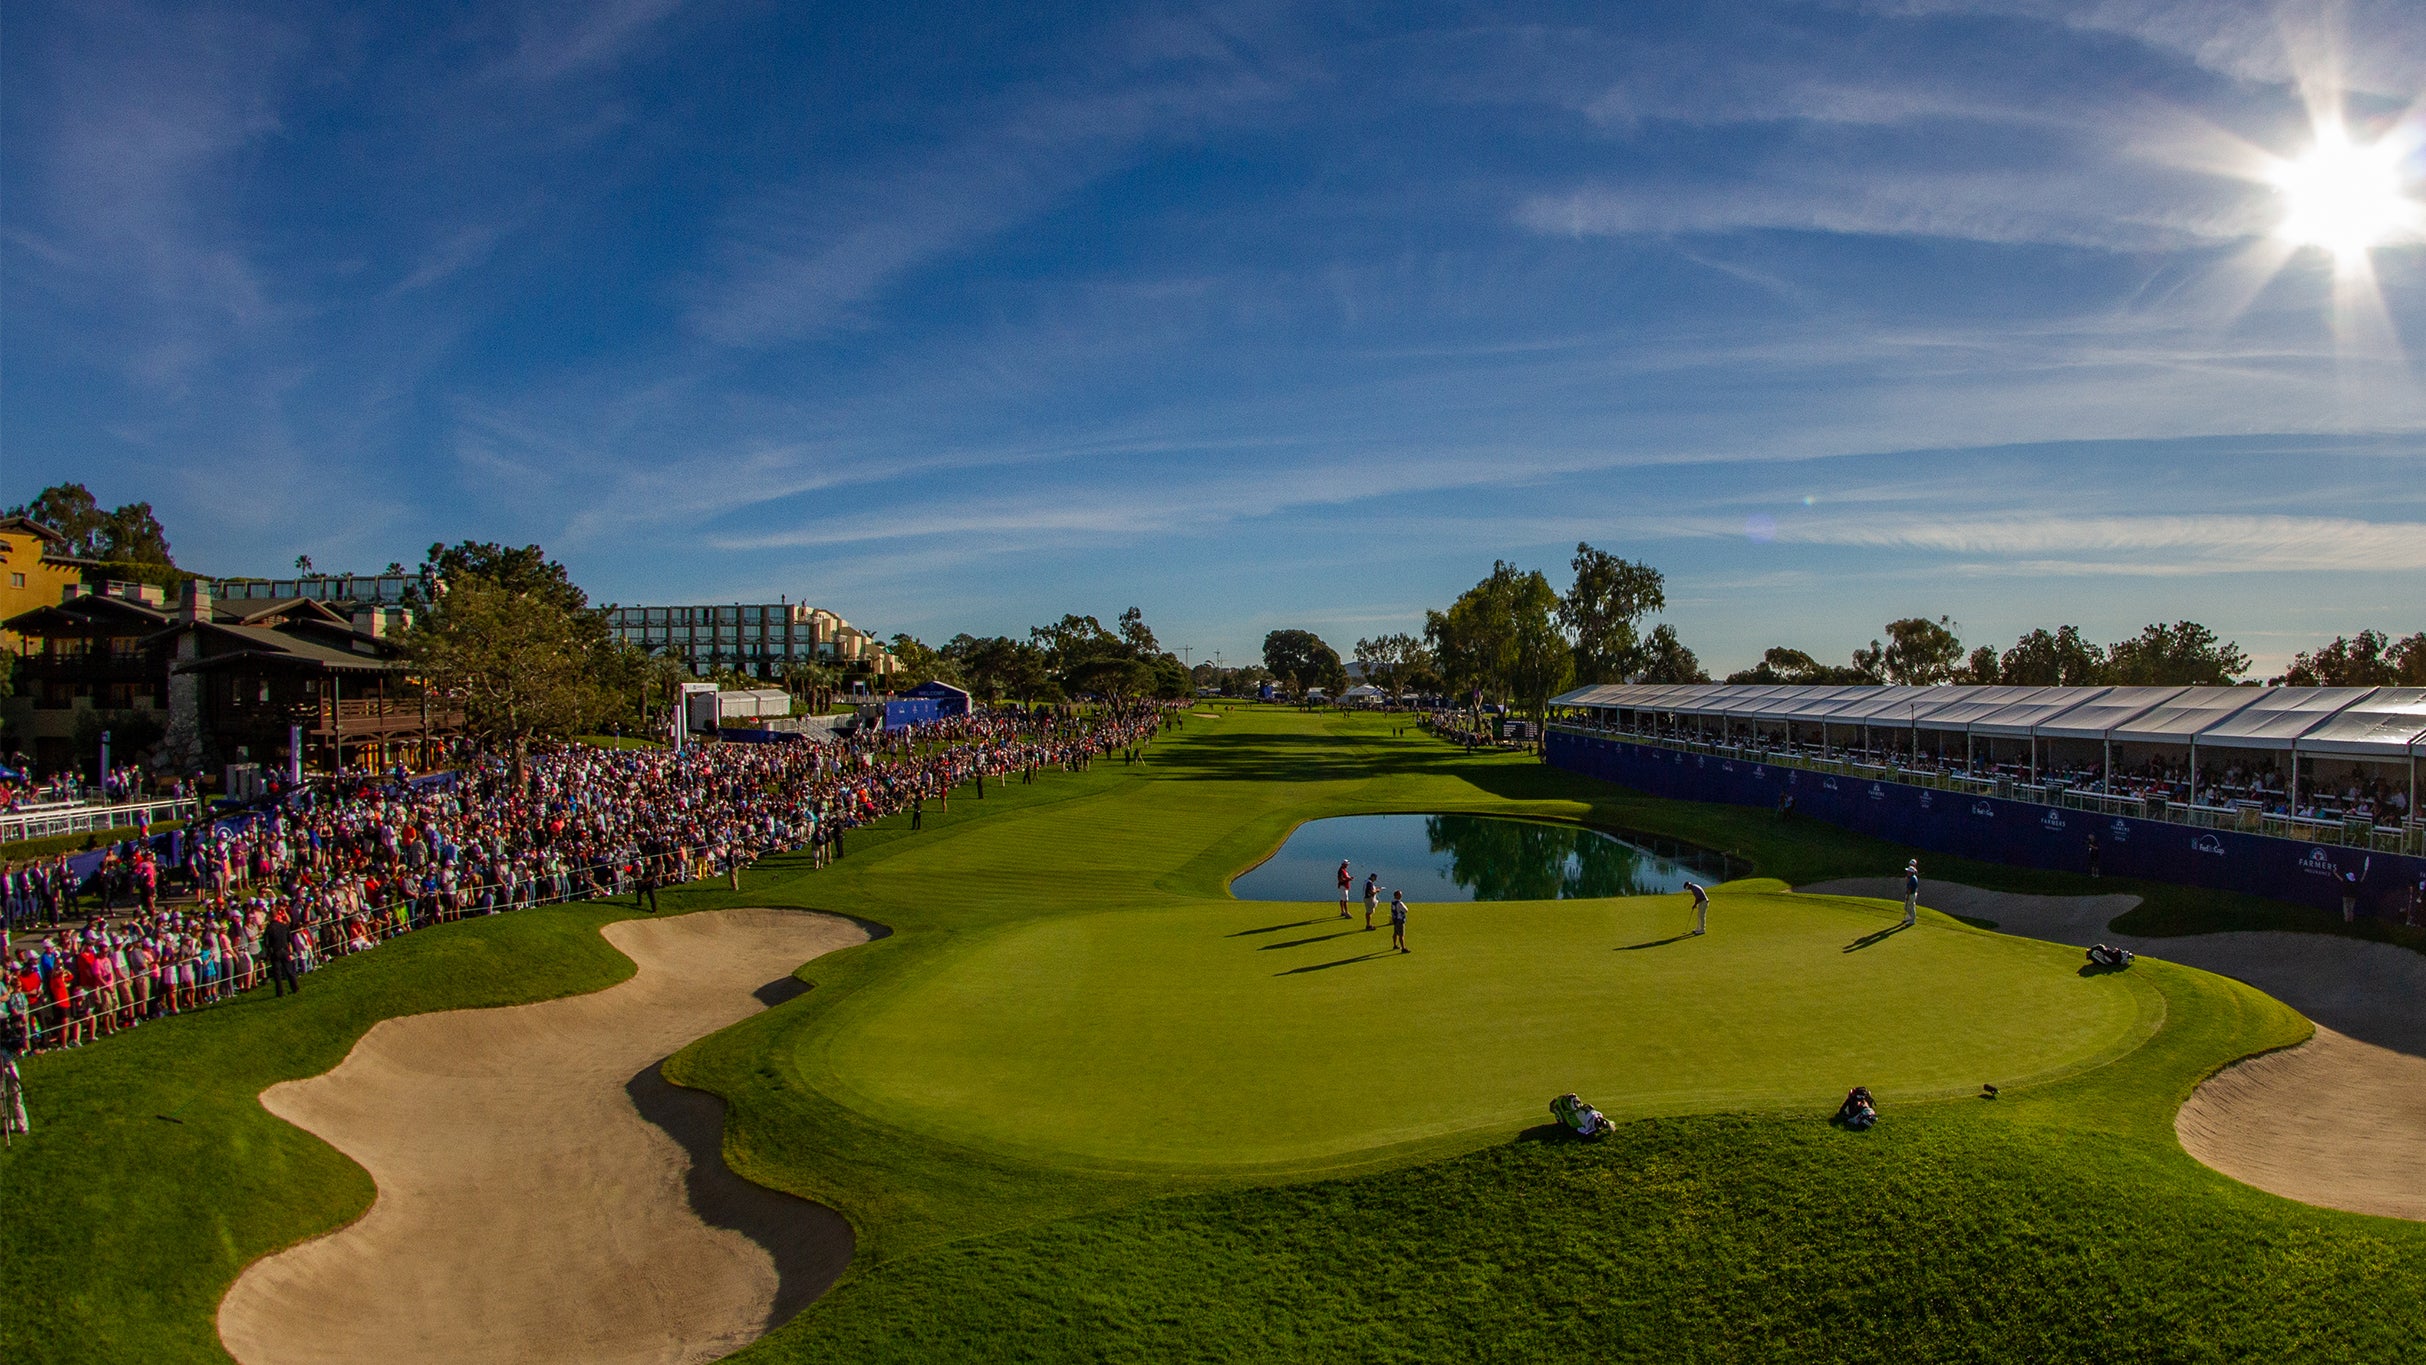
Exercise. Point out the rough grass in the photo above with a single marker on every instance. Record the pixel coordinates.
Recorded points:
(2063, 1223)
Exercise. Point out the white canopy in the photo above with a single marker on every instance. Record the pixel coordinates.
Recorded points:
(2100, 717)
(2394, 718)
(2022, 719)
(2361, 722)
(2179, 721)
(1969, 704)
(2279, 717)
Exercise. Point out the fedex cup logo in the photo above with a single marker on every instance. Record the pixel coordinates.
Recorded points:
(1828, 784)
(2319, 863)
(2207, 843)
(1926, 803)
(1983, 810)
(1877, 792)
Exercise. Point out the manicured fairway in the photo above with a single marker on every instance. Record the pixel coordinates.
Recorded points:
(1222, 1035)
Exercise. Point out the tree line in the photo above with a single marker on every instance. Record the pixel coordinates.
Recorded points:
(1072, 657)
(1919, 651)
(1512, 638)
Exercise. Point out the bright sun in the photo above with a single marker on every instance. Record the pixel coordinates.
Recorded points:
(2343, 197)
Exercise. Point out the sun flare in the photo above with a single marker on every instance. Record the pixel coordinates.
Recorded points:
(2343, 197)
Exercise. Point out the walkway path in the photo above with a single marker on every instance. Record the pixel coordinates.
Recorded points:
(544, 1195)
(2338, 1121)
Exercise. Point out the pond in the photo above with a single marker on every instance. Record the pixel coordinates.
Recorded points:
(1472, 858)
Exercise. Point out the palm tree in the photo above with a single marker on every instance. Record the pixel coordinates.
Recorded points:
(813, 681)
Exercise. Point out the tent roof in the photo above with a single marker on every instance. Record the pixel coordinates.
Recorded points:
(1883, 707)
(1969, 704)
(1807, 701)
(2385, 725)
(2022, 719)
(2360, 722)
(2180, 720)
(1720, 699)
(2098, 717)
(2279, 716)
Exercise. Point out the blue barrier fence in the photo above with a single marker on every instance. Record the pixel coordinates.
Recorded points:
(1993, 829)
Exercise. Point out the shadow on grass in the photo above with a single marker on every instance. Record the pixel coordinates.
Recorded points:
(1342, 962)
(1881, 936)
(1655, 943)
(1302, 942)
(1274, 928)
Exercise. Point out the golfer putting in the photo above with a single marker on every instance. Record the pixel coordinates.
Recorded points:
(1701, 907)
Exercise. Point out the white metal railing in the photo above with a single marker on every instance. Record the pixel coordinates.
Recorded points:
(48, 821)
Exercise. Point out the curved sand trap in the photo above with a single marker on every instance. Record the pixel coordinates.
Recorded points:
(544, 1195)
(2339, 1121)
(2333, 1121)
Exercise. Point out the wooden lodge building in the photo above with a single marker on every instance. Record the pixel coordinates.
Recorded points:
(212, 683)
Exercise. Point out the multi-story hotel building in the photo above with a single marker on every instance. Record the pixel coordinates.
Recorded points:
(759, 639)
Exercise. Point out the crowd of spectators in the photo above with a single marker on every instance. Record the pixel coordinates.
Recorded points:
(341, 866)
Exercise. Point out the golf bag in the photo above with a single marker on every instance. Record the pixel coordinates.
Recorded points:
(2105, 956)
(1580, 1118)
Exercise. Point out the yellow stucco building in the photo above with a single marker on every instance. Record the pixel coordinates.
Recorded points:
(35, 570)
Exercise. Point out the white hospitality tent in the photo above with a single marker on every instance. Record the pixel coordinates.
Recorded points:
(2276, 720)
(2096, 719)
(2386, 727)
(2177, 723)
(1964, 705)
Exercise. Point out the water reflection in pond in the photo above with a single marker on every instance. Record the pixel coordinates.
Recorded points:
(1472, 858)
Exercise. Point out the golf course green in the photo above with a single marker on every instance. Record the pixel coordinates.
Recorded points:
(1218, 1036)
(1080, 1104)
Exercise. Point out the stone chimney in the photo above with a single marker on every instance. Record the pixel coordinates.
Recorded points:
(370, 620)
(183, 748)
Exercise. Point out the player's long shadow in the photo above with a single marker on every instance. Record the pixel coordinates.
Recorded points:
(1302, 942)
(1274, 928)
(1880, 937)
(1655, 943)
(1345, 961)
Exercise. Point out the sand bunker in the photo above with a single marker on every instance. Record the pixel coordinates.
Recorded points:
(2333, 1121)
(544, 1195)
(2339, 1121)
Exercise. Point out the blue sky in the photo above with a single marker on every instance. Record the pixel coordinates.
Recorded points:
(952, 318)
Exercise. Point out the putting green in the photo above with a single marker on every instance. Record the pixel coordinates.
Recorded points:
(1227, 1034)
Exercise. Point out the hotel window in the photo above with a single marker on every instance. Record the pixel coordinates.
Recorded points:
(16, 580)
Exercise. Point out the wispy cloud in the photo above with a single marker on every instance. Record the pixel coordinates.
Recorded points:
(800, 260)
(558, 39)
(2041, 543)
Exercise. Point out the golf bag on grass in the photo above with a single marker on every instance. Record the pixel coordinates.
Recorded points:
(2104, 956)
(1578, 1117)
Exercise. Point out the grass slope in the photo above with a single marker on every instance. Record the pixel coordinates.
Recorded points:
(2063, 1223)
